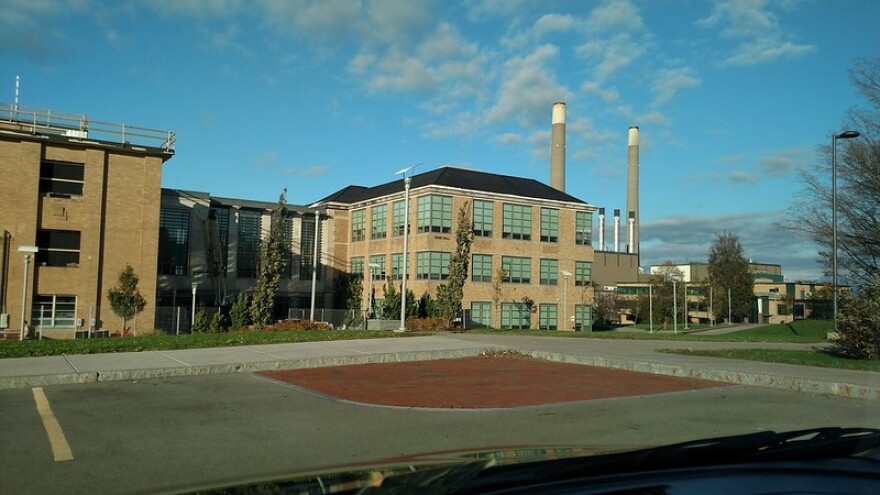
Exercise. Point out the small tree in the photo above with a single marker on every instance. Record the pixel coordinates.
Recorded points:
(450, 294)
(729, 269)
(200, 322)
(240, 311)
(125, 299)
(858, 325)
(354, 287)
(273, 260)
(219, 323)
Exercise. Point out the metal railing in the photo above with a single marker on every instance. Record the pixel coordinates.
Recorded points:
(79, 126)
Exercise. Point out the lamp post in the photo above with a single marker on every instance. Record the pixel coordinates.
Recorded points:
(650, 308)
(674, 308)
(565, 275)
(729, 311)
(407, 179)
(315, 265)
(192, 321)
(685, 297)
(28, 251)
(834, 138)
(370, 294)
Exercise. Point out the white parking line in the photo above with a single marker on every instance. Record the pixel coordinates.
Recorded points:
(60, 448)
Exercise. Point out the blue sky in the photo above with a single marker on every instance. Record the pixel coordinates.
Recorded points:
(732, 97)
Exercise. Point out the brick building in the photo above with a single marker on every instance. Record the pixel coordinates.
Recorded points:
(85, 195)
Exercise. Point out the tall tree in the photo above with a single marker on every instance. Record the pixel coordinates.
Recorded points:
(125, 299)
(450, 294)
(273, 260)
(858, 189)
(729, 268)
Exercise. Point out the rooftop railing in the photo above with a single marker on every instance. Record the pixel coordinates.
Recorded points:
(79, 126)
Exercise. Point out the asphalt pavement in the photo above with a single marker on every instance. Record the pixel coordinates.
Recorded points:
(633, 355)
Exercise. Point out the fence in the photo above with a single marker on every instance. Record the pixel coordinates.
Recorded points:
(171, 319)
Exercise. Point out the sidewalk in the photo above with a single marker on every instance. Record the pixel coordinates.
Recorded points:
(633, 355)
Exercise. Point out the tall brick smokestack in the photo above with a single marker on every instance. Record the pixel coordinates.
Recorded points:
(632, 190)
(557, 147)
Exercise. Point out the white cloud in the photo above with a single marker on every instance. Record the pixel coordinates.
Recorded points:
(607, 95)
(741, 177)
(509, 138)
(528, 89)
(552, 23)
(615, 15)
(612, 54)
(786, 162)
(400, 72)
(266, 159)
(762, 38)
(669, 81)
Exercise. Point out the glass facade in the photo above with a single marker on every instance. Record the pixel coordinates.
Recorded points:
(249, 232)
(173, 241)
(307, 248)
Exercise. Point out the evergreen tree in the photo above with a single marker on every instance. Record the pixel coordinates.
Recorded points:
(273, 260)
(729, 268)
(450, 294)
(240, 311)
(125, 299)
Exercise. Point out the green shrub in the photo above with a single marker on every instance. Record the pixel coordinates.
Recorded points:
(858, 325)
(219, 323)
(240, 312)
(200, 322)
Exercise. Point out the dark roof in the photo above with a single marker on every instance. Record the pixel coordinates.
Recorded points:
(458, 178)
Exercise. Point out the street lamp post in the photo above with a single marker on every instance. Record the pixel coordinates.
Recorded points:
(685, 297)
(192, 321)
(28, 250)
(315, 265)
(674, 308)
(834, 138)
(407, 179)
(565, 275)
(651, 308)
(729, 309)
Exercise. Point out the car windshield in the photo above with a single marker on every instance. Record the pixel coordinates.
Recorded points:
(244, 240)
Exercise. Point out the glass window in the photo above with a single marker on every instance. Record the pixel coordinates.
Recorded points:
(356, 266)
(58, 248)
(358, 225)
(287, 235)
(173, 241)
(218, 239)
(516, 222)
(61, 179)
(53, 311)
(307, 248)
(583, 228)
(549, 225)
(481, 268)
(434, 214)
(548, 316)
(549, 272)
(484, 212)
(432, 265)
(379, 222)
(397, 266)
(515, 316)
(583, 317)
(377, 266)
(517, 270)
(249, 231)
(397, 219)
(583, 273)
(481, 315)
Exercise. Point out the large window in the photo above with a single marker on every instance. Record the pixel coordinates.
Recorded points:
(515, 316)
(49, 312)
(583, 317)
(432, 265)
(583, 228)
(548, 316)
(435, 214)
(379, 222)
(356, 266)
(516, 222)
(218, 239)
(287, 235)
(397, 267)
(249, 232)
(484, 212)
(549, 225)
(58, 247)
(173, 241)
(481, 268)
(310, 229)
(358, 225)
(61, 178)
(481, 314)
(549, 272)
(583, 273)
(377, 267)
(517, 270)
(398, 219)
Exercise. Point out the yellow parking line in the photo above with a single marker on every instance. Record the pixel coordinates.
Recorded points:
(60, 448)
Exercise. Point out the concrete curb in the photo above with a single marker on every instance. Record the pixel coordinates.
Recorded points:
(251, 367)
(785, 382)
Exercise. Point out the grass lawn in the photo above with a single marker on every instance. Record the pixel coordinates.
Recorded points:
(162, 342)
(802, 331)
(808, 358)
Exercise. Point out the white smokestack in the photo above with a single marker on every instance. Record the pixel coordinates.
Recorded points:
(616, 230)
(557, 147)
(601, 229)
(630, 225)
(632, 189)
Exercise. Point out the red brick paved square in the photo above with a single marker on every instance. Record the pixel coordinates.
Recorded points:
(480, 382)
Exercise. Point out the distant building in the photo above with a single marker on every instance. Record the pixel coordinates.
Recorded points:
(85, 194)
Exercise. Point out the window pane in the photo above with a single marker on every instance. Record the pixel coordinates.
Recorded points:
(481, 268)
(549, 272)
(517, 270)
(516, 222)
(249, 231)
(549, 225)
(584, 228)
(358, 225)
(379, 222)
(481, 315)
(58, 247)
(484, 212)
(548, 315)
(173, 241)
